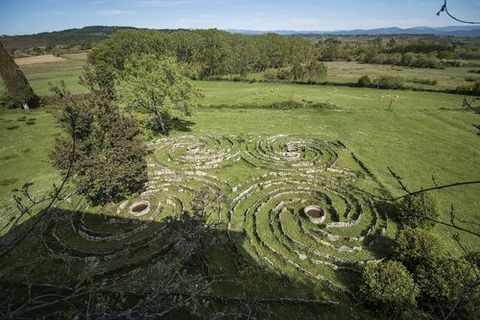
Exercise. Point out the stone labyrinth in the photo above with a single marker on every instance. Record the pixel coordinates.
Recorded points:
(300, 212)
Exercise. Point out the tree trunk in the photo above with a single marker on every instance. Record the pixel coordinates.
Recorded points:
(161, 121)
(17, 85)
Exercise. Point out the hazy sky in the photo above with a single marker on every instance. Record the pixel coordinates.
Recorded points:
(31, 16)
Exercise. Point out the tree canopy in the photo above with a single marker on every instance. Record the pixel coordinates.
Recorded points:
(414, 247)
(156, 85)
(388, 286)
(418, 210)
(109, 161)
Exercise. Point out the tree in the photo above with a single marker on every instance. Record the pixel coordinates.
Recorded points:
(200, 202)
(364, 81)
(17, 85)
(110, 160)
(155, 85)
(329, 49)
(100, 79)
(215, 52)
(450, 284)
(418, 211)
(388, 286)
(297, 72)
(414, 247)
(315, 71)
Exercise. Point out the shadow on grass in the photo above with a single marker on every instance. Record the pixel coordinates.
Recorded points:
(7, 182)
(70, 251)
(178, 124)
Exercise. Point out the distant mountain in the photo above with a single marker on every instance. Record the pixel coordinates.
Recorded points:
(64, 37)
(461, 31)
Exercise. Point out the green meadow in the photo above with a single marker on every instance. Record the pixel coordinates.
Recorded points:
(422, 135)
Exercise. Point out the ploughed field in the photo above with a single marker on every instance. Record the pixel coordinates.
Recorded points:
(260, 168)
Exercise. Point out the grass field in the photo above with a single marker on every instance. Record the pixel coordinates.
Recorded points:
(345, 72)
(425, 134)
(68, 69)
(447, 78)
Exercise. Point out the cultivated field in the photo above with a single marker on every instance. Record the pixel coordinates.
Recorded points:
(47, 58)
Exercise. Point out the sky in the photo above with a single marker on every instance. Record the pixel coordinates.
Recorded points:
(33, 16)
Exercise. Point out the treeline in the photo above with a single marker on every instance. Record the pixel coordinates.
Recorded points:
(403, 52)
(211, 52)
(399, 83)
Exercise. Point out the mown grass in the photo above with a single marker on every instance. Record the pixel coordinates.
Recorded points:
(24, 150)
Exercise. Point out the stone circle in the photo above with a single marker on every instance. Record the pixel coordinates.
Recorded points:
(302, 215)
(315, 214)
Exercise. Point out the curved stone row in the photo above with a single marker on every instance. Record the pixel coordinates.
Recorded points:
(265, 212)
(133, 230)
(282, 152)
(278, 152)
(270, 215)
(192, 153)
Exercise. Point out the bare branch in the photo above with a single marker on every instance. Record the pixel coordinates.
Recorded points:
(444, 8)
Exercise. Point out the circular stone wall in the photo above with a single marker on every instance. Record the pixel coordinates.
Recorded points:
(140, 208)
(134, 228)
(269, 210)
(315, 214)
(282, 152)
(192, 153)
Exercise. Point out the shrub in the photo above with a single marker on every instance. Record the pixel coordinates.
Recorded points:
(473, 257)
(430, 82)
(414, 247)
(470, 106)
(471, 79)
(446, 281)
(418, 211)
(283, 105)
(270, 75)
(314, 71)
(469, 89)
(387, 82)
(423, 61)
(284, 74)
(407, 59)
(388, 286)
(364, 81)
